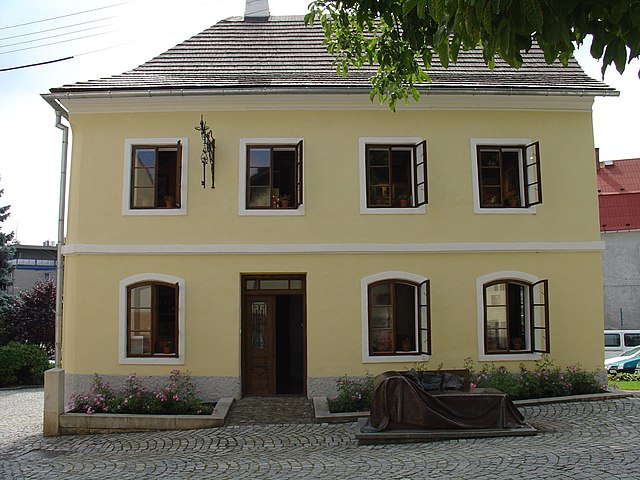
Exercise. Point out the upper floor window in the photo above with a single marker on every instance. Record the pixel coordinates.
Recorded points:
(155, 169)
(398, 318)
(152, 319)
(396, 175)
(507, 173)
(516, 317)
(274, 176)
(155, 176)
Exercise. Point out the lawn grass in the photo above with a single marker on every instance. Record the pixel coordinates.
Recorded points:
(625, 385)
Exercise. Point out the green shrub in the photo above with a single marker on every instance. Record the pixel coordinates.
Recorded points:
(625, 377)
(545, 380)
(22, 364)
(177, 397)
(353, 395)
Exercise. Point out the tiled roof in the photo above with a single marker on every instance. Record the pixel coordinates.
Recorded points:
(282, 53)
(619, 195)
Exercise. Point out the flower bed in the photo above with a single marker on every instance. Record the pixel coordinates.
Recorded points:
(353, 395)
(545, 380)
(135, 408)
(177, 397)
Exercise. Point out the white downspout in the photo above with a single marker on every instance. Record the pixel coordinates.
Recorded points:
(61, 217)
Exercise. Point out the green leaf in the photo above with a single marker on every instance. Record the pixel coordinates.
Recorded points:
(533, 12)
(437, 10)
(454, 49)
(409, 5)
(487, 18)
(597, 45)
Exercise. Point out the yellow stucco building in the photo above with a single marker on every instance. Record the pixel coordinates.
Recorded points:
(340, 238)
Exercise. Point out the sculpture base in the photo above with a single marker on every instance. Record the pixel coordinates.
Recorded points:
(420, 436)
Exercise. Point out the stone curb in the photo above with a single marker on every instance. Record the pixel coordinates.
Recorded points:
(589, 397)
(321, 406)
(22, 387)
(82, 423)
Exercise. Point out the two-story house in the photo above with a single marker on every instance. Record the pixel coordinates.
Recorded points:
(340, 237)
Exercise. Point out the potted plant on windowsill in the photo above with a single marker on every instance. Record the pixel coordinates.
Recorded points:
(489, 199)
(406, 344)
(403, 200)
(284, 201)
(168, 201)
(514, 200)
(166, 346)
(516, 343)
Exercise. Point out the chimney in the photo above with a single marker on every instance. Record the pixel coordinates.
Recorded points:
(256, 10)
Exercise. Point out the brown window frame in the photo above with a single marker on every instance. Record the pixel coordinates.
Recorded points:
(421, 325)
(296, 198)
(154, 333)
(157, 205)
(537, 334)
(529, 187)
(417, 173)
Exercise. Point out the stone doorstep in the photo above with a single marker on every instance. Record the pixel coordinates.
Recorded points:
(82, 423)
(321, 406)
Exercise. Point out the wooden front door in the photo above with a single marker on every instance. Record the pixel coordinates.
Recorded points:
(273, 334)
(259, 373)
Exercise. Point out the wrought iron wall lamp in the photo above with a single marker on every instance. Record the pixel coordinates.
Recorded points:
(208, 151)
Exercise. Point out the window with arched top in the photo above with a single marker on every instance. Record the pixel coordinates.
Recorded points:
(152, 319)
(516, 317)
(398, 318)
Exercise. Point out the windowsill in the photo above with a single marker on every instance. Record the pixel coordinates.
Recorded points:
(395, 358)
(272, 212)
(505, 357)
(159, 360)
(505, 210)
(392, 211)
(143, 212)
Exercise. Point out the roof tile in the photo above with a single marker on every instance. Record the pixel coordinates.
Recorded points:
(619, 195)
(283, 53)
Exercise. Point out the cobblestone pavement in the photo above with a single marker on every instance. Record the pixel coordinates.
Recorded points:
(580, 440)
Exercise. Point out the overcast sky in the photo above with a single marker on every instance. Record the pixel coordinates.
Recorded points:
(107, 37)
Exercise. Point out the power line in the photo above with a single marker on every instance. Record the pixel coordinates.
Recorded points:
(79, 38)
(61, 41)
(64, 16)
(58, 28)
(35, 64)
(55, 36)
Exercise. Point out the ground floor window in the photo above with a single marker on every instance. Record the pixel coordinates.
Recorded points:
(152, 320)
(516, 317)
(398, 317)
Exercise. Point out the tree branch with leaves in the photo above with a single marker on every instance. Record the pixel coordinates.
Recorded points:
(402, 38)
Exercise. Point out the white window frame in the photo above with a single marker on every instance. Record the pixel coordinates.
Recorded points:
(129, 143)
(364, 299)
(123, 330)
(242, 179)
(400, 141)
(502, 142)
(480, 283)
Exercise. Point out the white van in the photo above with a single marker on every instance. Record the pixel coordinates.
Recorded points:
(617, 342)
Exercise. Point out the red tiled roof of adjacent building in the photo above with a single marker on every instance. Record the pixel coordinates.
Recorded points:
(619, 194)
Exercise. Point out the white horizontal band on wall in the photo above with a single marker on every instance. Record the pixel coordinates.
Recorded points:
(333, 248)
